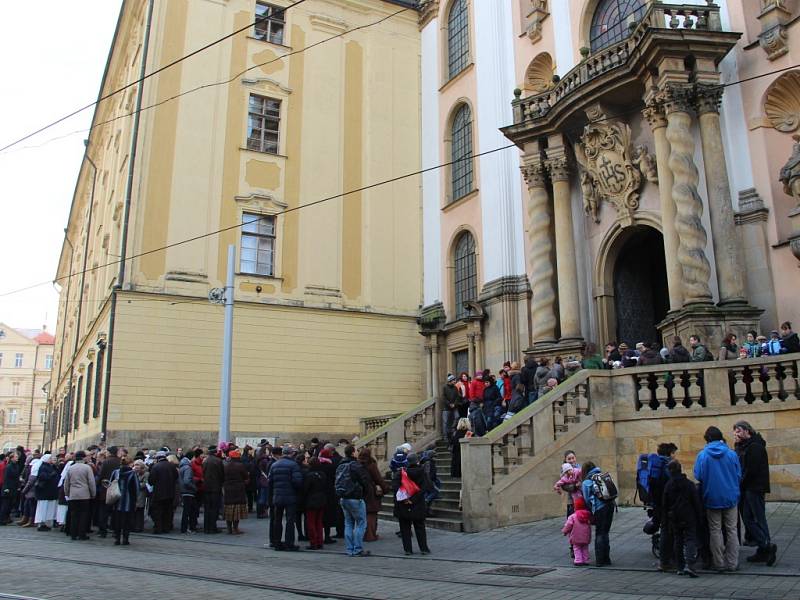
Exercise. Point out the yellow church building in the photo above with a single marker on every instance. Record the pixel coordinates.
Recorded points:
(314, 99)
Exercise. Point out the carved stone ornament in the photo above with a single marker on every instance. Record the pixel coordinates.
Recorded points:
(605, 154)
(539, 74)
(774, 42)
(428, 9)
(536, 17)
(782, 104)
(790, 172)
(646, 163)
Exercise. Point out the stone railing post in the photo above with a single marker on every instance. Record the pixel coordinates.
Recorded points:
(727, 253)
(476, 485)
(569, 307)
(716, 384)
(654, 113)
(692, 237)
(540, 247)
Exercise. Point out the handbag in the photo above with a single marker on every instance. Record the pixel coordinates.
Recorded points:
(112, 492)
(408, 488)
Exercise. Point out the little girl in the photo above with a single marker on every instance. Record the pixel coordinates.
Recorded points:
(579, 530)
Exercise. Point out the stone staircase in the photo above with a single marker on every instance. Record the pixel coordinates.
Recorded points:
(446, 511)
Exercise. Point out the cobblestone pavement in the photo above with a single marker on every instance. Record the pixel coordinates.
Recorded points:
(49, 566)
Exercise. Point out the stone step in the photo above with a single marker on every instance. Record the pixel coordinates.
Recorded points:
(448, 504)
(444, 523)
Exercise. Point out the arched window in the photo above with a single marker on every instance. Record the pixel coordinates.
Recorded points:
(466, 274)
(461, 153)
(457, 38)
(610, 21)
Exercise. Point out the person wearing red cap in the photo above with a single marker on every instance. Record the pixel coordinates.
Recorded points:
(579, 530)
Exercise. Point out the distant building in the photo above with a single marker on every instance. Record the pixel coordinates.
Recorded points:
(326, 296)
(26, 359)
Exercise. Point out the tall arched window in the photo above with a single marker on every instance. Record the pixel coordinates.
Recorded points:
(461, 153)
(466, 274)
(457, 38)
(610, 21)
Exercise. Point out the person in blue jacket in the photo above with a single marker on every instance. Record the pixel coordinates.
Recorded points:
(602, 513)
(718, 470)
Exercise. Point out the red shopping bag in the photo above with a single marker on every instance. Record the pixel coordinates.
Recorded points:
(407, 487)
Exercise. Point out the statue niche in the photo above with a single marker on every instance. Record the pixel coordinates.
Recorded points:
(609, 170)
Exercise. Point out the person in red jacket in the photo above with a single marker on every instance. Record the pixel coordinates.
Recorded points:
(197, 474)
(476, 388)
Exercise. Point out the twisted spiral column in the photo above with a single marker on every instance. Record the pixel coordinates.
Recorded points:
(692, 237)
(540, 244)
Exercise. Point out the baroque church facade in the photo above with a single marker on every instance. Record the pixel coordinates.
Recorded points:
(630, 176)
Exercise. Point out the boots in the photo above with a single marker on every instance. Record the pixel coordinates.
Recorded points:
(116, 540)
(759, 557)
(23, 521)
(125, 541)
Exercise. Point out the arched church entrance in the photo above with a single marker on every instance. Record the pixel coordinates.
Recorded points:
(641, 298)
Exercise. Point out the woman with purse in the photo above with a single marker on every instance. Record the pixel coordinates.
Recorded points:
(125, 487)
(409, 485)
(373, 494)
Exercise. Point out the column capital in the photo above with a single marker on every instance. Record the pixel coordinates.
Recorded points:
(677, 97)
(534, 173)
(559, 168)
(654, 113)
(708, 98)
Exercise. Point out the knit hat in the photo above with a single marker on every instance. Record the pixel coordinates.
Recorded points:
(565, 468)
(407, 447)
(450, 378)
(478, 374)
(579, 503)
(623, 346)
(161, 454)
(235, 454)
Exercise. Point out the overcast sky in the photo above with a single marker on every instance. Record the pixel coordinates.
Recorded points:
(53, 55)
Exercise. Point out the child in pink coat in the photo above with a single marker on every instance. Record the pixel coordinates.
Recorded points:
(579, 529)
(570, 483)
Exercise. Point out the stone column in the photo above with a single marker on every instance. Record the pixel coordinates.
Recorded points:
(692, 237)
(435, 380)
(471, 354)
(654, 114)
(567, 270)
(429, 368)
(540, 248)
(727, 252)
(479, 361)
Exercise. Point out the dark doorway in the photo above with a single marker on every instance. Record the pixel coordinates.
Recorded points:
(641, 296)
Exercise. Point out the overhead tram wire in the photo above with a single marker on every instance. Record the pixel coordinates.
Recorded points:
(148, 75)
(337, 196)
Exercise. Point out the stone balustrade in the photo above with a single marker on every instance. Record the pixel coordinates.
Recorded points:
(370, 424)
(668, 17)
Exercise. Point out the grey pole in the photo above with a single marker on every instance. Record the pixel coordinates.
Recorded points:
(227, 353)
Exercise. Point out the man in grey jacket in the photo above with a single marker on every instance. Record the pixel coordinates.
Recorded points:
(188, 490)
(80, 490)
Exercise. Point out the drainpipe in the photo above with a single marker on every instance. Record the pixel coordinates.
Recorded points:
(72, 366)
(125, 219)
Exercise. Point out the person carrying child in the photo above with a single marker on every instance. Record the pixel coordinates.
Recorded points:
(570, 481)
(579, 529)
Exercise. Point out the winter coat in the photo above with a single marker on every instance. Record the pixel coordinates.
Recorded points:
(213, 474)
(315, 489)
(680, 354)
(587, 488)
(235, 483)
(79, 483)
(540, 379)
(399, 461)
(128, 488)
(753, 349)
(681, 502)
(476, 390)
(592, 362)
(649, 357)
(186, 482)
(107, 468)
(46, 487)
(755, 464)
(11, 481)
(557, 372)
(717, 468)
(507, 388)
(163, 476)
(579, 528)
(699, 353)
(376, 482)
(413, 509)
(570, 482)
(451, 397)
(359, 475)
(527, 375)
(262, 468)
(728, 352)
(332, 504)
(197, 472)
(142, 481)
(455, 458)
(285, 482)
(773, 347)
(791, 342)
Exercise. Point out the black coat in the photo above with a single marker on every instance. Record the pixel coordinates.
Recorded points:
(235, 484)
(11, 481)
(681, 502)
(315, 489)
(413, 509)
(285, 482)
(213, 474)
(163, 476)
(331, 506)
(46, 487)
(679, 354)
(791, 342)
(755, 464)
(360, 476)
(452, 399)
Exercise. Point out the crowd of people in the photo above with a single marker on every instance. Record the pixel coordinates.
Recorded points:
(311, 490)
(698, 521)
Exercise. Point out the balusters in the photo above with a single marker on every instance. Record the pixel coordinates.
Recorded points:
(570, 407)
(740, 387)
(694, 389)
(525, 439)
(642, 391)
(582, 391)
(498, 460)
(559, 426)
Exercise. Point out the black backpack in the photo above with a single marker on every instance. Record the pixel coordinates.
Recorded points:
(345, 484)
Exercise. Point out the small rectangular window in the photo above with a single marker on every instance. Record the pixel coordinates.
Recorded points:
(270, 23)
(15, 388)
(18, 360)
(48, 361)
(258, 245)
(263, 121)
(12, 416)
(42, 416)
(1, 359)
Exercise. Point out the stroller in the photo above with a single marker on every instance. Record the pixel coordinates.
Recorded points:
(653, 528)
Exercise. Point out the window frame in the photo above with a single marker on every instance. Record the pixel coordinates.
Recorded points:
(12, 416)
(19, 360)
(465, 275)
(42, 416)
(617, 31)
(87, 397)
(258, 236)
(98, 385)
(264, 116)
(269, 22)
(48, 362)
(455, 65)
(76, 416)
(15, 387)
(461, 181)
(1, 359)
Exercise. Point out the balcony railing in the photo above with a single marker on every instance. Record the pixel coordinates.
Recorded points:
(658, 16)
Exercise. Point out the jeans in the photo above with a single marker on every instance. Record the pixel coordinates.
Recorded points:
(724, 554)
(603, 518)
(685, 546)
(755, 518)
(448, 422)
(276, 524)
(103, 513)
(355, 524)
